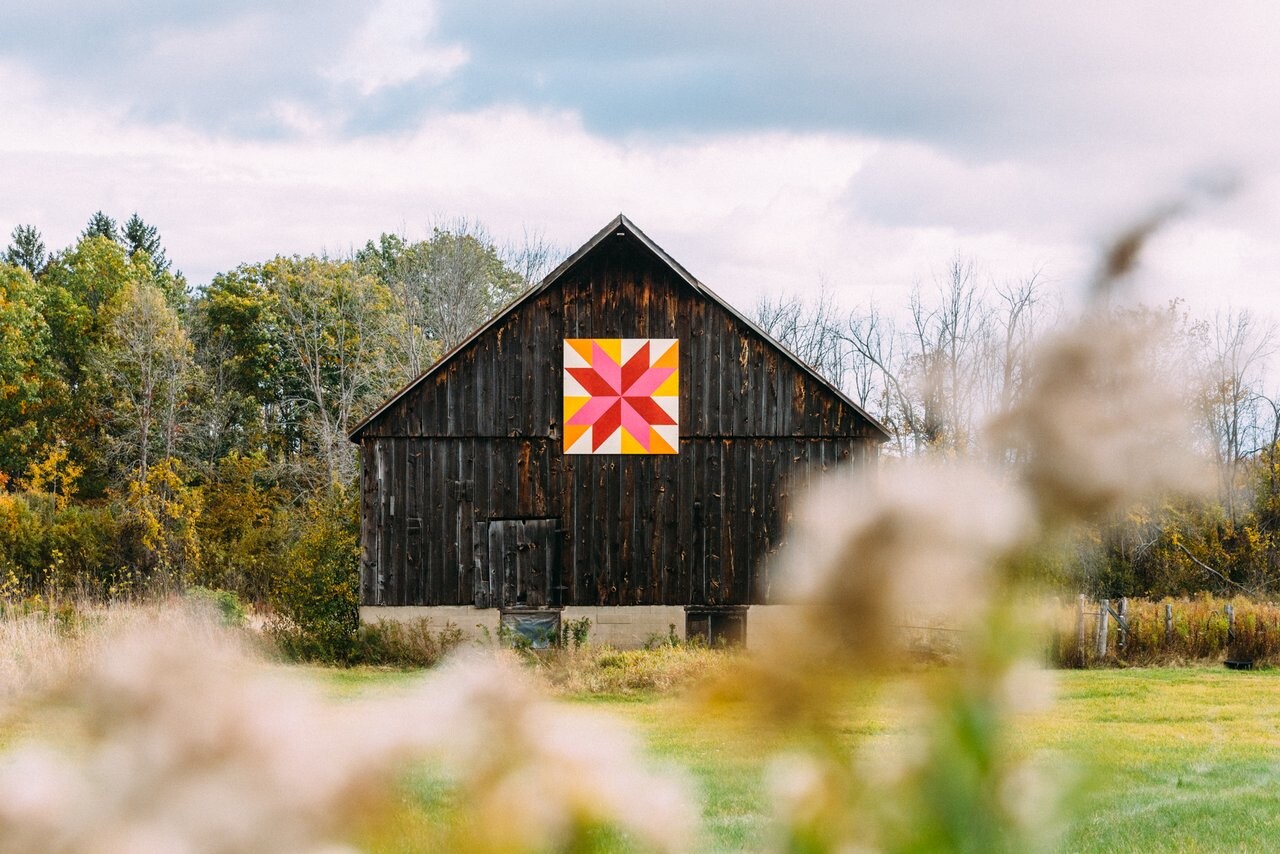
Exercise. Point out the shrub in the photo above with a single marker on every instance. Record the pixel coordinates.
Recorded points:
(159, 516)
(671, 639)
(392, 643)
(575, 632)
(243, 528)
(44, 548)
(225, 603)
(315, 595)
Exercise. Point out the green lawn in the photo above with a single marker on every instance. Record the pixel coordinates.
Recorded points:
(1185, 759)
(1169, 759)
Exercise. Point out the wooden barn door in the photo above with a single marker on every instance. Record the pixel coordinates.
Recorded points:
(524, 562)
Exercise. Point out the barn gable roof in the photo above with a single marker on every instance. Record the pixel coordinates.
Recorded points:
(619, 225)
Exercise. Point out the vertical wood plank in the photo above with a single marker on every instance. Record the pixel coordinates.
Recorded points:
(625, 518)
(385, 566)
(413, 522)
(370, 588)
(497, 572)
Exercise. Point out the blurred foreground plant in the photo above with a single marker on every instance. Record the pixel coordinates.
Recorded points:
(177, 740)
(1099, 425)
(173, 737)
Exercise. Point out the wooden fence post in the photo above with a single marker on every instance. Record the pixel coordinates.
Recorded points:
(1104, 620)
(1231, 623)
(1080, 627)
(1123, 640)
(1053, 649)
(1168, 624)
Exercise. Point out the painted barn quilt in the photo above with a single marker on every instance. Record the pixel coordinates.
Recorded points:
(621, 395)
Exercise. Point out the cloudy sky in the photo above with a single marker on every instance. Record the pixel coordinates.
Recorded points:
(767, 146)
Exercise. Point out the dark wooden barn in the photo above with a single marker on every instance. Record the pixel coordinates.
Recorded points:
(618, 436)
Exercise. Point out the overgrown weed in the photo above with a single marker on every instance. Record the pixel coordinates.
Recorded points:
(406, 644)
(606, 671)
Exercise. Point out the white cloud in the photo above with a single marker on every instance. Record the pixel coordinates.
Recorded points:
(749, 213)
(394, 46)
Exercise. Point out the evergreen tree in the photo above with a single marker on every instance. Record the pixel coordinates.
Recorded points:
(27, 250)
(140, 237)
(101, 225)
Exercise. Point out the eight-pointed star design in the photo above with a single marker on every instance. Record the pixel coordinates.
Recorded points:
(635, 394)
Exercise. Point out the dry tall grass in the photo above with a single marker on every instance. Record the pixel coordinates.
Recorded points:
(664, 670)
(39, 646)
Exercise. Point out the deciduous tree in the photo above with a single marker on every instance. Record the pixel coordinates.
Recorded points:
(146, 365)
(334, 324)
(445, 287)
(24, 370)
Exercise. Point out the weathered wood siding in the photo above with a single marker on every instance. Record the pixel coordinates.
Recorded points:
(479, 440)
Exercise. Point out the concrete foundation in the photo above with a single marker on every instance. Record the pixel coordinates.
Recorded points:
(475, 623)
(622, 627)
(628, 626)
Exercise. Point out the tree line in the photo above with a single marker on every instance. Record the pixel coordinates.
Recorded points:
(155, 435)
(961, 352)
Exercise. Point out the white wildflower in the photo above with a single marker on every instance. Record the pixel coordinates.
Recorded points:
(1027, 687)
(799, 788)
(184, 743)
(1030, 796)
(535, 769)
(916, 538)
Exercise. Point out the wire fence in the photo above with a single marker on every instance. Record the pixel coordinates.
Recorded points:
(1240, 631)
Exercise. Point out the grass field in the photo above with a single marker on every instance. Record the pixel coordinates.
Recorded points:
(1165, 759)
(1181, 759)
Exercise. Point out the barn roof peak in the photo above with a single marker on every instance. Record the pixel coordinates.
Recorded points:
(620, 226)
